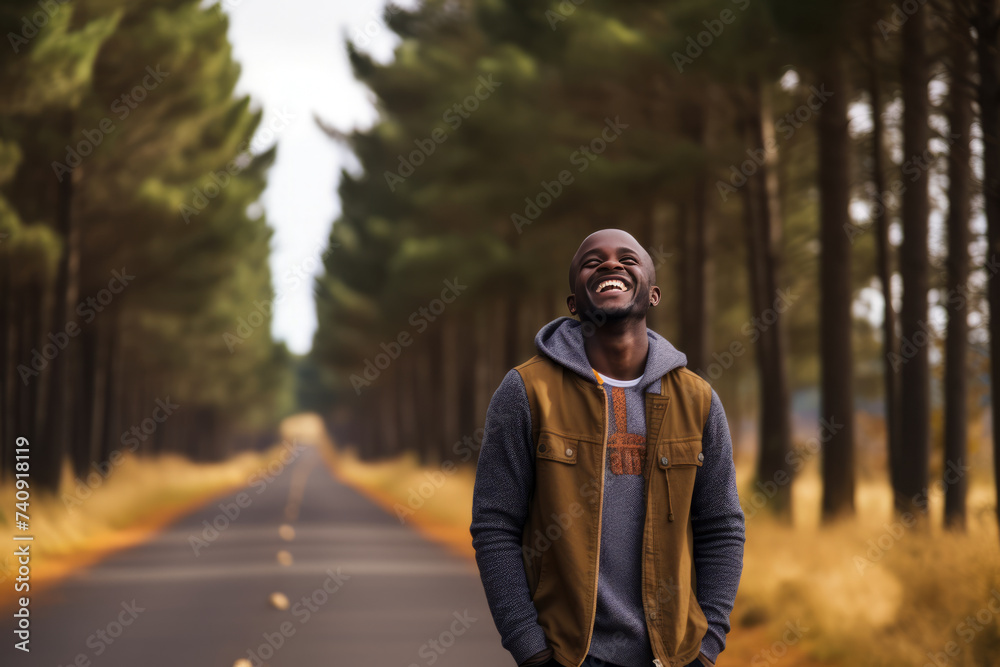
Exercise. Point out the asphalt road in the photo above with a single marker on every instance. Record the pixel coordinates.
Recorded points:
(362, 591)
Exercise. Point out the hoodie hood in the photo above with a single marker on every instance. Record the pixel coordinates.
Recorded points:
(561, 340)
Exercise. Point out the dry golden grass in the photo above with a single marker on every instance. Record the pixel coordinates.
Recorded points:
(73, 528)
(872, 590)
(809, 595)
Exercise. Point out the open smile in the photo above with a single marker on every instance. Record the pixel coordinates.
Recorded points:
(612, 285)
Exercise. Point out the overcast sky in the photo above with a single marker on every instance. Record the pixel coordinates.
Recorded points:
(294, 66)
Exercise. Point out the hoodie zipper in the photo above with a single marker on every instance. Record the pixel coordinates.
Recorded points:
(600, 519)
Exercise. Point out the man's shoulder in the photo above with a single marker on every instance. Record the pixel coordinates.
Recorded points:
(692, 386)
(685, 374)
(535, 364)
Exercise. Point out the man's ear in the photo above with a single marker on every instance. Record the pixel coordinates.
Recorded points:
(571, 304)
(654, 295)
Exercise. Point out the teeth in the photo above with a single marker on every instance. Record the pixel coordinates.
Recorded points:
(609, 284)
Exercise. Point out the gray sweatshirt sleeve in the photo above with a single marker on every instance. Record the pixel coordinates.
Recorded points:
(719, 530)
(505, 477)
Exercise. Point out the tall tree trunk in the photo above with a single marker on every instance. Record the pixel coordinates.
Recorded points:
(763, 228)
(658, 216)
(914, 372)
(388, 398)
(837, 402)
(989, 109)
(84, 372)
(59, 426)
(481, 364)
(428, 368)
(890, 345)
(959, 191)
(448, 386)
(113, 424)
(510, 328)
(408, 404)
(693, 232)
(98, 397)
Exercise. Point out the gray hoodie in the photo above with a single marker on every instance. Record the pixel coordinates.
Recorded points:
(503, 489)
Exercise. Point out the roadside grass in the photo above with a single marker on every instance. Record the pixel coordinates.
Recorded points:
(875, 589)
(868, 591)
(436, 502)
(80, 524)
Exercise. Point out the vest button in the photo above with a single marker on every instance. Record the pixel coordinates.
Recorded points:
(701, 456)
(664, 460)
(542, 447)
(569, 452)
(652, 615)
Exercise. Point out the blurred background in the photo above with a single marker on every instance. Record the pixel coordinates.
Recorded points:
(263, 265)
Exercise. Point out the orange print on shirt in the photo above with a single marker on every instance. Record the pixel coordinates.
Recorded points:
(627, 451)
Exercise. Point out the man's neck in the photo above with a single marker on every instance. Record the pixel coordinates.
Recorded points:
(618, 349)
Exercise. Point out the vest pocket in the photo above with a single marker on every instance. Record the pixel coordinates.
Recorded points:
(681, 453)
(556, 448)
(679, 462)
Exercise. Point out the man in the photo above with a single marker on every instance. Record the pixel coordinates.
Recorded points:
(605, 517)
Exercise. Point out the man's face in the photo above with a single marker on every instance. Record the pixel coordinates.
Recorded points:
(612, 278)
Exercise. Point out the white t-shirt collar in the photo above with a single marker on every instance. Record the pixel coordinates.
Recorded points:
(617, 383)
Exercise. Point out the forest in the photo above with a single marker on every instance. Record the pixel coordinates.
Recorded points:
(131, 243)
(817, 184)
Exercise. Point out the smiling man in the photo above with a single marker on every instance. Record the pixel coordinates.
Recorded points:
(605, 517)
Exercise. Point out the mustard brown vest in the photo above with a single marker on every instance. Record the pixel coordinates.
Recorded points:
(562, 535)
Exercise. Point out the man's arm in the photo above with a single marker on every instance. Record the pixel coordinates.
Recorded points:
(505, 476)
(719, 530)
